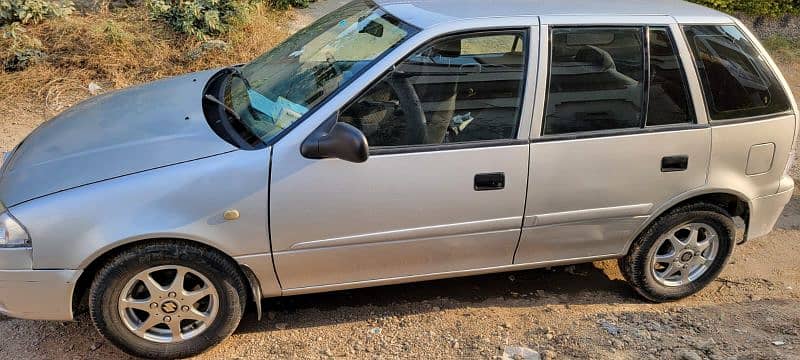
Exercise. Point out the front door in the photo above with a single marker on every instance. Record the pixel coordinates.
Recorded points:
(618, 138)
(444, 188)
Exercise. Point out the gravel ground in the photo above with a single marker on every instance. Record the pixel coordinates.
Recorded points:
(582, 312)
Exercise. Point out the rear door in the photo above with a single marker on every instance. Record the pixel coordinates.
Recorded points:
(616, 135)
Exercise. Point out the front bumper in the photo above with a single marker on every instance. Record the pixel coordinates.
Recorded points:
(765, 211)
(34, 294)
(37, 294)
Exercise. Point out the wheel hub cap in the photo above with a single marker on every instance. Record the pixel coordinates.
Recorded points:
(169, 307)
(168, 304)
(687, 256)
(684, 254)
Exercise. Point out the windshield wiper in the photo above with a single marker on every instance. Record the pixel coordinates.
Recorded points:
(262, 104)
(227, 108)
(235, 72)
(238, 73)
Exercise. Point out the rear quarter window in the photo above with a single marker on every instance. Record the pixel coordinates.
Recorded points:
(737, 80)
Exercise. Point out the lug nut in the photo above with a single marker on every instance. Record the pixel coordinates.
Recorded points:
(172, 294)
(167, 319)
(185, 308)
(153, 305)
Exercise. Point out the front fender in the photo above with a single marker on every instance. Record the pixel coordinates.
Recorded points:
(72, 228)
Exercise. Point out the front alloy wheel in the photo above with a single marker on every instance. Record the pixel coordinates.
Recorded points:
(167, 299)
(168, 304)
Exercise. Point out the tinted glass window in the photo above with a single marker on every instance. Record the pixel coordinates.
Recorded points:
(736, 78)
(669, 95)
(460, 89)
(596, 80)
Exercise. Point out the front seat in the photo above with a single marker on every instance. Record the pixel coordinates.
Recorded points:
(439, 89)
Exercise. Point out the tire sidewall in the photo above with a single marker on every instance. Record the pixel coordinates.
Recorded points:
(637, 266)
(112, 279)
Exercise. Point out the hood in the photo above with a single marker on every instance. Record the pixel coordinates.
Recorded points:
(112, 135)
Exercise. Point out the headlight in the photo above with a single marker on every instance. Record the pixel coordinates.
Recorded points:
(12, 234)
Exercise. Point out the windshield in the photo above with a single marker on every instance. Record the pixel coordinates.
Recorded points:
(302, 72)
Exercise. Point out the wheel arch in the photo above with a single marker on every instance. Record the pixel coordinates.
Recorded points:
(95, 263)
(736, 203)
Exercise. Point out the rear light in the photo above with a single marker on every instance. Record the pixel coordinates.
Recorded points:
(790, 163)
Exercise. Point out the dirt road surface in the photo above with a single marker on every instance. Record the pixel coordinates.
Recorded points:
(582, 312)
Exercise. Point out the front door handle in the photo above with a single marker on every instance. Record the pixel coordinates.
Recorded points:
(490, 181)
(675, 163)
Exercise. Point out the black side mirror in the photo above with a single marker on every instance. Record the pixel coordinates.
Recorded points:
(334, 139)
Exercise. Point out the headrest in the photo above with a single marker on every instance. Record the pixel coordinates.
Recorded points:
(447, 48)
(596, 56)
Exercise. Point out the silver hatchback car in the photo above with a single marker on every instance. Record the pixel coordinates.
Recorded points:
(398, 141)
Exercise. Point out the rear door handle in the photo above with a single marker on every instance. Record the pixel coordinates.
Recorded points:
(675, 163)
(490, 181)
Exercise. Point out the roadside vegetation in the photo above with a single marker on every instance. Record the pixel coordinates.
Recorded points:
(775, 8)
(56, 55)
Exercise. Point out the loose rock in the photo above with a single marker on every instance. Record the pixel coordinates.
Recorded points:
(689, 355)
(520, 353)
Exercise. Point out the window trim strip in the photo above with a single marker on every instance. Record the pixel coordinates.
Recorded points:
(646, 68)
(395, 150)
(619, 132)
(749, 119)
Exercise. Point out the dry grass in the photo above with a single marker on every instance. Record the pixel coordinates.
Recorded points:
(121, 49)
(783, 48)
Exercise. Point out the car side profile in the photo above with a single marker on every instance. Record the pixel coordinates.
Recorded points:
(397, 141)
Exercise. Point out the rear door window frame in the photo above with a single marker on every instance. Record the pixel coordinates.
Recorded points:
(643, 128)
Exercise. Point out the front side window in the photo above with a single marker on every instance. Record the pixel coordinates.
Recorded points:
(460, 89)
(596, 79)
(305, 70)
(737, 80)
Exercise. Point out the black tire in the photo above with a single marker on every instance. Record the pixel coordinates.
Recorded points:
(106, 289)
(635, 266)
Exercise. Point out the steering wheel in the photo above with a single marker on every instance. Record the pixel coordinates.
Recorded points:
(333, 65)
(410, 104)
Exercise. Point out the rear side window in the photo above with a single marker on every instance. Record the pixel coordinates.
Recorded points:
(596, 80)
(737, 80)
(669, 95)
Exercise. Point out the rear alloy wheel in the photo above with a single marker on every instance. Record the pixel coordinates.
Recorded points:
(167, 299)
(680, 253)
(684, 254)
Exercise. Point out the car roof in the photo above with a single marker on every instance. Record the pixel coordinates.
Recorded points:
(427, 13)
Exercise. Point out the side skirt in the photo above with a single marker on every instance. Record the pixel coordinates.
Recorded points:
(444, 275)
